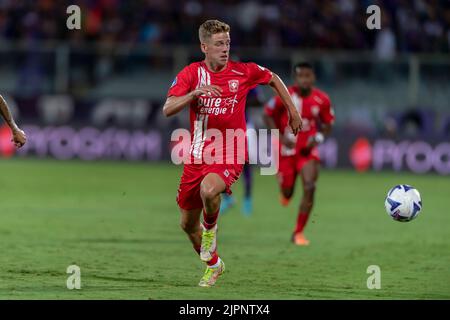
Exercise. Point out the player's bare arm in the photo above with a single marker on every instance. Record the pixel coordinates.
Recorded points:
(270, 123)
(18, 136)
(173, 104)
(295, 120)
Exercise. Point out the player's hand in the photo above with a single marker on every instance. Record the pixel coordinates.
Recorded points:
(315, 140)
(295, 122)
(18, 137)
(210, 90)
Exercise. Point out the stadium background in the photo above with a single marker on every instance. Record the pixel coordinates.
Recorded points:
(90, 101)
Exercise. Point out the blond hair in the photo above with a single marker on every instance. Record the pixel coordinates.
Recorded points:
(210, 27)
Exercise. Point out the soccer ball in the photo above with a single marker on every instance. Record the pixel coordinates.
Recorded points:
(403, 203)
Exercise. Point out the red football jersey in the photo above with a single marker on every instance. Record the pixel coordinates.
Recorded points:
(313, 108)
(220, 113)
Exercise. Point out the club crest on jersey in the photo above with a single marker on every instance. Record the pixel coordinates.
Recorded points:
(233, 85)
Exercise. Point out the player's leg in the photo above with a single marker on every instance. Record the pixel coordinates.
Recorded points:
(252, 143)
(190, 223)
(287, 175)
(226, 203)
(210, 189)
(287, 193)
(218, 179)
(309, 174)
(247, 205)
(191, 204)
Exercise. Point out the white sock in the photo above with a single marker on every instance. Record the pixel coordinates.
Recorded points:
(217, 264)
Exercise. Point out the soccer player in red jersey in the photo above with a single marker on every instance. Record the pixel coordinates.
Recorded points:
(215, 90)
(298, 155)
(18, 136)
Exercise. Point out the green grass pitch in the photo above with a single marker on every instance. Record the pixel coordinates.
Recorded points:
(120, 224)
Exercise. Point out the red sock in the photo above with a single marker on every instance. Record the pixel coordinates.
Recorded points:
(302, 219)
(197, 249)
(214, 259)
(210, 220)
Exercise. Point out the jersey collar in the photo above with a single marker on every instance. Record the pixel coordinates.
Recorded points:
(218, 72)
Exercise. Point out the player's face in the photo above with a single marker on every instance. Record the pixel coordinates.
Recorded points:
(217, 48)
(305, 78)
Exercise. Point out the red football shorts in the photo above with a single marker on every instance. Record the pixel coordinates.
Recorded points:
(290, 166)
(188, 197)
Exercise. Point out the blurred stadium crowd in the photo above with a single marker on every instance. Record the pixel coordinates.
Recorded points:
(374, 88)
(409, 26)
